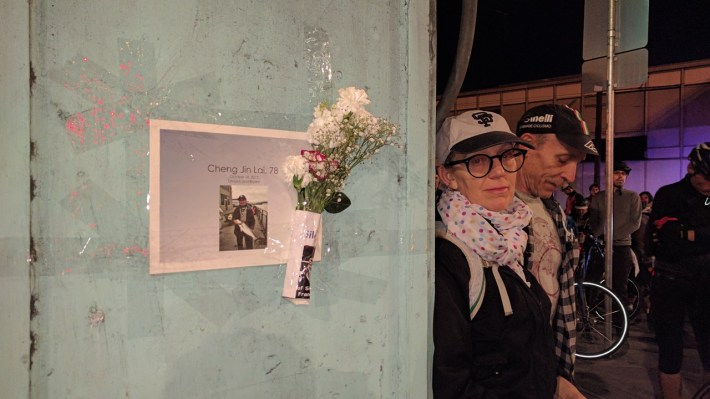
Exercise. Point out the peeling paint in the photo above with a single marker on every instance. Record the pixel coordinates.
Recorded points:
(33, 306)
(33, 78)
(33, 251)
(33, 187)
(33, 346)
(96, 316)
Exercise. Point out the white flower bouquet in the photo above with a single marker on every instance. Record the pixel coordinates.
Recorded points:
(342, 135)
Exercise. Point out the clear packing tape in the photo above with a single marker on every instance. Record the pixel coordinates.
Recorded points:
(318, 63)
(302, 250)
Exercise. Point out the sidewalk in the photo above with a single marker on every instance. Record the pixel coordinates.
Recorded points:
(632, 372)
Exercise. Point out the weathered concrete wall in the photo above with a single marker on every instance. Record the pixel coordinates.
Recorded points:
(106, 328)
(14, 199)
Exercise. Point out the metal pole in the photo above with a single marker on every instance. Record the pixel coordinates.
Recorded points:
(609, 231)
(598, 115)
(469, 10)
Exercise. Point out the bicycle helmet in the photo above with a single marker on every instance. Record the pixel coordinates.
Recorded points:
(700, 158)
(580, 201)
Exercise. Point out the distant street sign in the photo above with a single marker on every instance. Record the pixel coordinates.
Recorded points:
(631, 71)
(631, 27)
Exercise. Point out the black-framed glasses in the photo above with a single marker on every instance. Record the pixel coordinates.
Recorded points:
(480, 165)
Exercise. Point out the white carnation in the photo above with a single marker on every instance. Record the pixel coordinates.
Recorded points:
(352, 99)
(295, 166)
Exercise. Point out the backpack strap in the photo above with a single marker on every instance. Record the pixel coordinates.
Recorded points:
(504, 298)
(477, 282)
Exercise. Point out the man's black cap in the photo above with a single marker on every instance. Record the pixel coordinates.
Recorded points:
(566, 123)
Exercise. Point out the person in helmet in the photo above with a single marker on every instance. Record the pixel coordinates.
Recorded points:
(580, 214)
(679, 233)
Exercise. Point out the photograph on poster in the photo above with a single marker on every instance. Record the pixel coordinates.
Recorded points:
(244, 217)
(199, 169)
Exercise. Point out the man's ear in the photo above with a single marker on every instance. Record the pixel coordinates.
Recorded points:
(446, 177)
(691, 170)
(529, 138)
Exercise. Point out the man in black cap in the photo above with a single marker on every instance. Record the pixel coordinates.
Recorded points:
(561, 142)
(244, 216)
(627, 219)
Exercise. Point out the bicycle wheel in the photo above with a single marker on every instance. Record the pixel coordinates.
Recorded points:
(634, 297)
(634, 302)
(593, 341)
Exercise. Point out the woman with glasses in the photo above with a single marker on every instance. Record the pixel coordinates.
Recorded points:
(492, 333)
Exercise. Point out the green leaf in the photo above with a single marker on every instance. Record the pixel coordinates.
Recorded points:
(297, 183)
(337, 203)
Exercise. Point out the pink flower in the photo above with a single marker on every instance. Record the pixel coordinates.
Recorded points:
(318, 164)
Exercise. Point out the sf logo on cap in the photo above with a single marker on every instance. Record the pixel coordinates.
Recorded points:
(483, 118)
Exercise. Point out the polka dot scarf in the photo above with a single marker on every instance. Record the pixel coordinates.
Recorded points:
(496, 237)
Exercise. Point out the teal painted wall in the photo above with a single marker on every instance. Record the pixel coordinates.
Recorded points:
(14, 199)
(102, 326)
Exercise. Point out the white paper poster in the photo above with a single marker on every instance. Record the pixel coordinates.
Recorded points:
(218, 197)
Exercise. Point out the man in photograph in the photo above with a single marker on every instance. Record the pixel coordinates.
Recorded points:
(244, 221)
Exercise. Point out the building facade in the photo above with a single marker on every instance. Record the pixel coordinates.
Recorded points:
(655, 124)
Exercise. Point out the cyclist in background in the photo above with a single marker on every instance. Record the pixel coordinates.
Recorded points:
(580, 215)
(679, 229)
(626, 210)
(593, 190)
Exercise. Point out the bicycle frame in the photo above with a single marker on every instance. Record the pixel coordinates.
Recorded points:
(595, 320)
(591, 246)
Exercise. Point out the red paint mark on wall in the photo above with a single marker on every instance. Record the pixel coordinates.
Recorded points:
(104, 251)
(135, 249)
(76, 126)
(119, 106)
(126, 68)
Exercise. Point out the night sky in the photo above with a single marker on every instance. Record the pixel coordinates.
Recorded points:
(523, 40)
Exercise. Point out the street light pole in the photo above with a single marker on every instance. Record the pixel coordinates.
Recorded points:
(609, 230)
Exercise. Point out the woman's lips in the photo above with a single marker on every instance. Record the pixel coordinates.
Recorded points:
(497, 190)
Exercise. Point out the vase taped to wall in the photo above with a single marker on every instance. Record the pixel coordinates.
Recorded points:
(302, 248)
